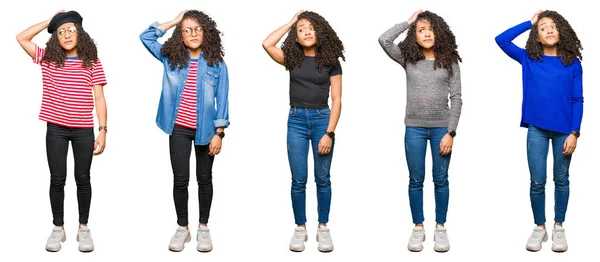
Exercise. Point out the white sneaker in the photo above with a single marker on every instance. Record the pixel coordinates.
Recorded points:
(559, 239)
(324, 239)
(415, 242)
(297, 242)
(57, 236)
(84, 237)
(204, 241)
(440, 239)
(182, 236)
(539, 235)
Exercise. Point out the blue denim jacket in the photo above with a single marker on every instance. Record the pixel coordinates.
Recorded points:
(212, 84)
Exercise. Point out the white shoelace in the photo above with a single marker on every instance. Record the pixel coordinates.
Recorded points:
(560, 234)
(441, 234)
(85, 234)
(417, 234)
(179, 235)
(298, 234)
(537, 234)
(325, 234)
(204, 234)
(55, 234)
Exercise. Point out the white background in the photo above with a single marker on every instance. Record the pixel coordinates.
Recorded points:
(132, 213)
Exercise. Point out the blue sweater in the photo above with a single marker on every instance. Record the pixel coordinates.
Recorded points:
(552, 92)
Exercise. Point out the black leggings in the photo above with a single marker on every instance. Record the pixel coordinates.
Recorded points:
(180, 146)
(57, 147)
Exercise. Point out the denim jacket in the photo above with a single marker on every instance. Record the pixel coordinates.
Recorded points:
(212, 85)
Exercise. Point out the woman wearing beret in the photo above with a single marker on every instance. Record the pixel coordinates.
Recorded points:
(73, 81)
(193, 110)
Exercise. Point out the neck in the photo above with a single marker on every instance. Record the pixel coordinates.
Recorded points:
(429, 54)
(72, 52)
(195, 53)
(551, 51)
(310, 51)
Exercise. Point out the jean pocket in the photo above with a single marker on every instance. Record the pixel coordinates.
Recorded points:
(292, 112)
(324, 112)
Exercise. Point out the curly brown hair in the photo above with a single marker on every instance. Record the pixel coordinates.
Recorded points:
(445, 43)
(328, 48)
(86, 49)
(569, 47)
(177, 52)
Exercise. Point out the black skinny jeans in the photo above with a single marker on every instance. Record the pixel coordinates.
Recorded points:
(180, 146)
(57, 147)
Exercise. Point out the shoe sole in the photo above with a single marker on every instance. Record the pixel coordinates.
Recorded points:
(441, 250)
(187, 239)
(302, 247)
(544, 239)
(59, 246)
(559, 250)
(202, 250)
(323, 249)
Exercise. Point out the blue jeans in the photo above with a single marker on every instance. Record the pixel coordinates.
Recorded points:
(306, 125)
(415, 145)
(537, 154)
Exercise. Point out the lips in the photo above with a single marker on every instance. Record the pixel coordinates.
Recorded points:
(308, 38)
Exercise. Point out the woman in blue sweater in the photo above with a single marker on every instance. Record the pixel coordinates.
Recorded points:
(552, 110)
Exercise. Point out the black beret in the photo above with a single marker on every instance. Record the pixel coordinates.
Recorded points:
(64, 17)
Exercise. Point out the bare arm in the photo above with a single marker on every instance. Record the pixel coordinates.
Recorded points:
(326, 142)
(271, 41)
(24, 38)
(101, 113)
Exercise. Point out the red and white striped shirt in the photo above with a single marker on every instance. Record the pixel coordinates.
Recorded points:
(186, 115)
(67, 98)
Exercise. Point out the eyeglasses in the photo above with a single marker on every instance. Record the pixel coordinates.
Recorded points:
(62, 32)
(188, 30)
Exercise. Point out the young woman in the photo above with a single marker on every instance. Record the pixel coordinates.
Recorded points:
(310, 52)
(73, 80)
(552, 110)
(429, 56)
(193, 110)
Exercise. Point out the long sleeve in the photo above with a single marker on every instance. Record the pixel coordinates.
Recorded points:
(577, 98)
(455, 97)
(504, 41)
(149, 38)
(386, 40)
(222, 95)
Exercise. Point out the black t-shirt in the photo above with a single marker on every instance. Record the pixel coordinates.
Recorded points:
(309, 88)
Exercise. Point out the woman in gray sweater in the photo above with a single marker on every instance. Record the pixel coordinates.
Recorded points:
(429, 56)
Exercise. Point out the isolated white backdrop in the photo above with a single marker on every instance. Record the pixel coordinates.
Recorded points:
(132, 214)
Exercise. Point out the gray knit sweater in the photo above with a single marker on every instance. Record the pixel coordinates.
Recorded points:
(427, 89)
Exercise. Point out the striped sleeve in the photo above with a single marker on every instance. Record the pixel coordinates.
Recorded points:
(39, 54)
(98, 77)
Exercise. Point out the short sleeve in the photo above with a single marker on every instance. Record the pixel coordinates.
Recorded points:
(98, 77)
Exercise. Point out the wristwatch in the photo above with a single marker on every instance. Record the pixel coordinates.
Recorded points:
(330, 134)
(575, 133)
(103, 127)
(452, 133)
(220, 134)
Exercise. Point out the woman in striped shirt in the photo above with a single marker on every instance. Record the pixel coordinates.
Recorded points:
(73, 79)
(192, 110)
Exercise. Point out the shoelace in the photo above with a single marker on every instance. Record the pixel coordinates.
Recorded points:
(298, 235)
(55, 234)
(441, 234)
(204, 234)
(85, 234)
(417, 234)
(179, 235)
(559, 234)
(324, 234)
(537, 234)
